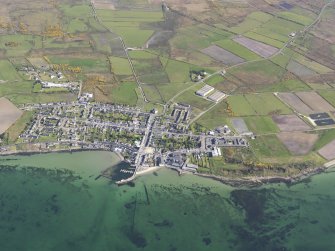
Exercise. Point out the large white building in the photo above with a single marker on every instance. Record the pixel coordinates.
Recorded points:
(217, 96)
(204, 91)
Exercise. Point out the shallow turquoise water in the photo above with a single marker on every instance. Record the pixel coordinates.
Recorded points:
(54, 202)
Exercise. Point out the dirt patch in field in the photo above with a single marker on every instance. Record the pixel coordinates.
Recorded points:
(295, 102)
(9, 113)
(315, 101)
(289, 123)
(298, 143)
(328, 151)
(264, 50)
(222, 55)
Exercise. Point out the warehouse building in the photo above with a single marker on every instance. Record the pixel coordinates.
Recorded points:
(204, 91)
(217, 96)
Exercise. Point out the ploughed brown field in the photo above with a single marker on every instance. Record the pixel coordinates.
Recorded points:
(9, 113)
(298, 143)
(289, 123)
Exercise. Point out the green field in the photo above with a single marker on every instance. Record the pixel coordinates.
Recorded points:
(214, 80)
(142, 55)
(177, 71)
(167, 91)
(237, 49)
(125, 93)
(76, 10)
(152, 93)
(267, 103)
(8, 72)
(87, 64)
(120, 66)
(269, 147)
(278, 29)
(301, 19)
(325, 137)
(215, 117)
(127, 24)
(328, 95)
(240, 106)
(23, 44)
(264, 38)
(261, 124)
(287, 86)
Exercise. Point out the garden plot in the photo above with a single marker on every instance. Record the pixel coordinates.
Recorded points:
(295, 102)
(222, 55)
(328, 151)
(315, 101)
(299, 69)
(289, 123)
(298, 143)
(259, 48)
(8, 114)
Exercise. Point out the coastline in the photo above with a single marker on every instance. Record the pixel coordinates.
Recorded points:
(251, 181)
(254, 181)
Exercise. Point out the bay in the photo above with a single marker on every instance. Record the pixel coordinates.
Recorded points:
(54, 202)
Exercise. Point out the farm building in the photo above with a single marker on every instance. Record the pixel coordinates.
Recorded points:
(217, 96)
(204, 91)
(9, 113)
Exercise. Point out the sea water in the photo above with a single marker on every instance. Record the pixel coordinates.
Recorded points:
(55, 202)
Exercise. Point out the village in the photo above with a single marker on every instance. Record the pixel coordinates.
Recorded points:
(144, 139)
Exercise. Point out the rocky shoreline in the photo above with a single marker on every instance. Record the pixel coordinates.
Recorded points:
(254, 181)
